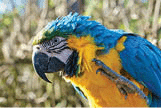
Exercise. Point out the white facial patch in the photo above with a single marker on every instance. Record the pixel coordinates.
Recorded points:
(64, 55)
(55, 50)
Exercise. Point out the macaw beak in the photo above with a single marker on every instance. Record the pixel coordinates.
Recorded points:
(44, 64)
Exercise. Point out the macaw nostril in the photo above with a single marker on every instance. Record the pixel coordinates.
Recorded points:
(38, 47)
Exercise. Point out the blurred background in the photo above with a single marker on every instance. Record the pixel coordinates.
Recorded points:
(20, 20)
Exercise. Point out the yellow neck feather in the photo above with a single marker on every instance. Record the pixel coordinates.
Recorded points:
(100, 91)
(86, 49)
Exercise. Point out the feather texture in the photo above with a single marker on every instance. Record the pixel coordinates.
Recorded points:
(142, 61)
(99, 90)
(119, 49)
(79, 26)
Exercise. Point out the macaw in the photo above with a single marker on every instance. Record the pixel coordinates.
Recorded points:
(108, 67)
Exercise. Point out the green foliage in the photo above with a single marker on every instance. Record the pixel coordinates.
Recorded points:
(7, 20)
(122, 26)
(159, 33)
(133, 25)
(125, 3)
(51, 3)
(33, 26)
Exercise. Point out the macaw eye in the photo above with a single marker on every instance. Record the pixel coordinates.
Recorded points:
(56, 40)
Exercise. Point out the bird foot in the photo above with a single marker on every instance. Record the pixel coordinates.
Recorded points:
(124, 85)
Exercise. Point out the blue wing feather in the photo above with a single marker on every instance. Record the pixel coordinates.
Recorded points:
(142, 61)
(79, 91)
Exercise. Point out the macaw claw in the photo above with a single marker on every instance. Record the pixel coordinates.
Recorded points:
(124, 85)
(110, 75)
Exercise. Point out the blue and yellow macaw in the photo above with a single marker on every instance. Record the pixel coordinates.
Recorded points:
(108, 67)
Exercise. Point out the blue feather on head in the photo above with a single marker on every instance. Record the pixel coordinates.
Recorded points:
(75, 24)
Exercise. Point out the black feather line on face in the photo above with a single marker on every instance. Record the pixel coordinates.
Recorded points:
(58, 51)
(58, 43)
(58, 47)
(72, 66)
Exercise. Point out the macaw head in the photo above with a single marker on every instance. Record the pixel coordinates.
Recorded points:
(51, 52)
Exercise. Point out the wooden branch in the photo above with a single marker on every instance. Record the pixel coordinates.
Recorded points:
(43, 15)
(155, 20)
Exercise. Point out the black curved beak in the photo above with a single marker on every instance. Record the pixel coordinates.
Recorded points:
(44, 64)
